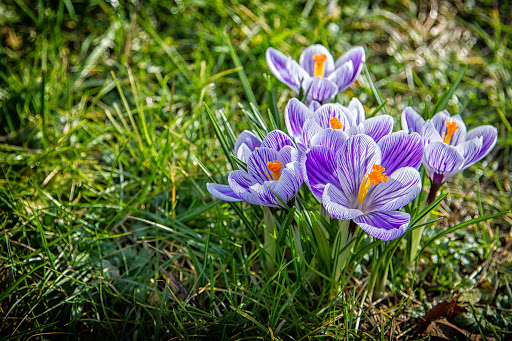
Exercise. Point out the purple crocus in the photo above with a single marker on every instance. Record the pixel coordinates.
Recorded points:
(316, 72)
(364, 181)
(303, 123)
(273, 174)
(449, 147)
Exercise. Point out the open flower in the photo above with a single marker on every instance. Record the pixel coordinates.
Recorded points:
(449, 147)
(316, 71)
(303, 123)
(365, 181)
(273, 174)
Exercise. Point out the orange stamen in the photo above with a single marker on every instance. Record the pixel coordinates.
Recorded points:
(275, 170)
(375, 177)
(319, 64)
(451, 127)
(335, 123)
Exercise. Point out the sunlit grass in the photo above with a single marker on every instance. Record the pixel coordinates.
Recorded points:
(107, 228)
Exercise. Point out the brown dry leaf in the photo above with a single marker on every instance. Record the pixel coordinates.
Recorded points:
(443, 309)
(443, 330)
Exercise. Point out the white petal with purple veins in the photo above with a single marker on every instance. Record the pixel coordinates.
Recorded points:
(400, 149)
(330, 138)
(356, 158)
(257, 163)
(357, 56)
(470, 151)
(384, 225)
(430, 134)
(337, 204)
(295, 114)
(319, 89)
(318, 167)
(400, 189)
(326, 112)
(222, 192)
(240, 182)
(285, 69)
(489, 136)
(307, 61)
(276, 140)
(411, 120)
(357, 109)
(343, 76)
(377, 127)
(442, 161)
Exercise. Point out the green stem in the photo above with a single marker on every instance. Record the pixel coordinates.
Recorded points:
(341, 253)
(417, 234)
(269, 234)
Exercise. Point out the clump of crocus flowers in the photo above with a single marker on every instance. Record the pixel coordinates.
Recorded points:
(358, 170)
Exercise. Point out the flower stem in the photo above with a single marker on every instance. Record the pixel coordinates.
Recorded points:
(341, 253)
(416, 234)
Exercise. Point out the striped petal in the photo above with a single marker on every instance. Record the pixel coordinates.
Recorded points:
(384, 225)
(285, 69)
(222, 192)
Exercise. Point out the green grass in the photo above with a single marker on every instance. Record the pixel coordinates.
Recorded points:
(107, 227)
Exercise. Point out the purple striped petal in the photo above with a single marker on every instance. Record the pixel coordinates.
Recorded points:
(357, 57)
(240, 182)
(411, 120)
(319, 89)
(264, 195)
(439, 120)
(243, 152)
(314, 105)
(276, 140)
(288, 154)
(377, 127)
(384, 225)
(310, 129)
(308, 62)
(246, 142)
(343, 76)
(357, 109)
(318, 167)
(442, 161)
(257, 163)
(285, 69)
(470, 151)
(489, 136)
(356, 158)
(337, 204)
(430, 134)
(330, 138)
(295, 114)
(401, 150)
(327, 111)
(400, 189)
(222, 192)
(289, 183)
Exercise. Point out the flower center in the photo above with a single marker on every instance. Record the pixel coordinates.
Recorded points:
(319, 64)
(275, 170)
(375, 177)
(335, 123)
(451, 127)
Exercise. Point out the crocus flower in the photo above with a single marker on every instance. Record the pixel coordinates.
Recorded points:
(273, 174)
(316, 71)
(303, 124)
(364, 181)
(449, 147)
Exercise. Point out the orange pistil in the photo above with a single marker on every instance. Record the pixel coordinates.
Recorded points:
(375, 177)
(275, 170)
(319, 64)
(335, 123)
(451, 127)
